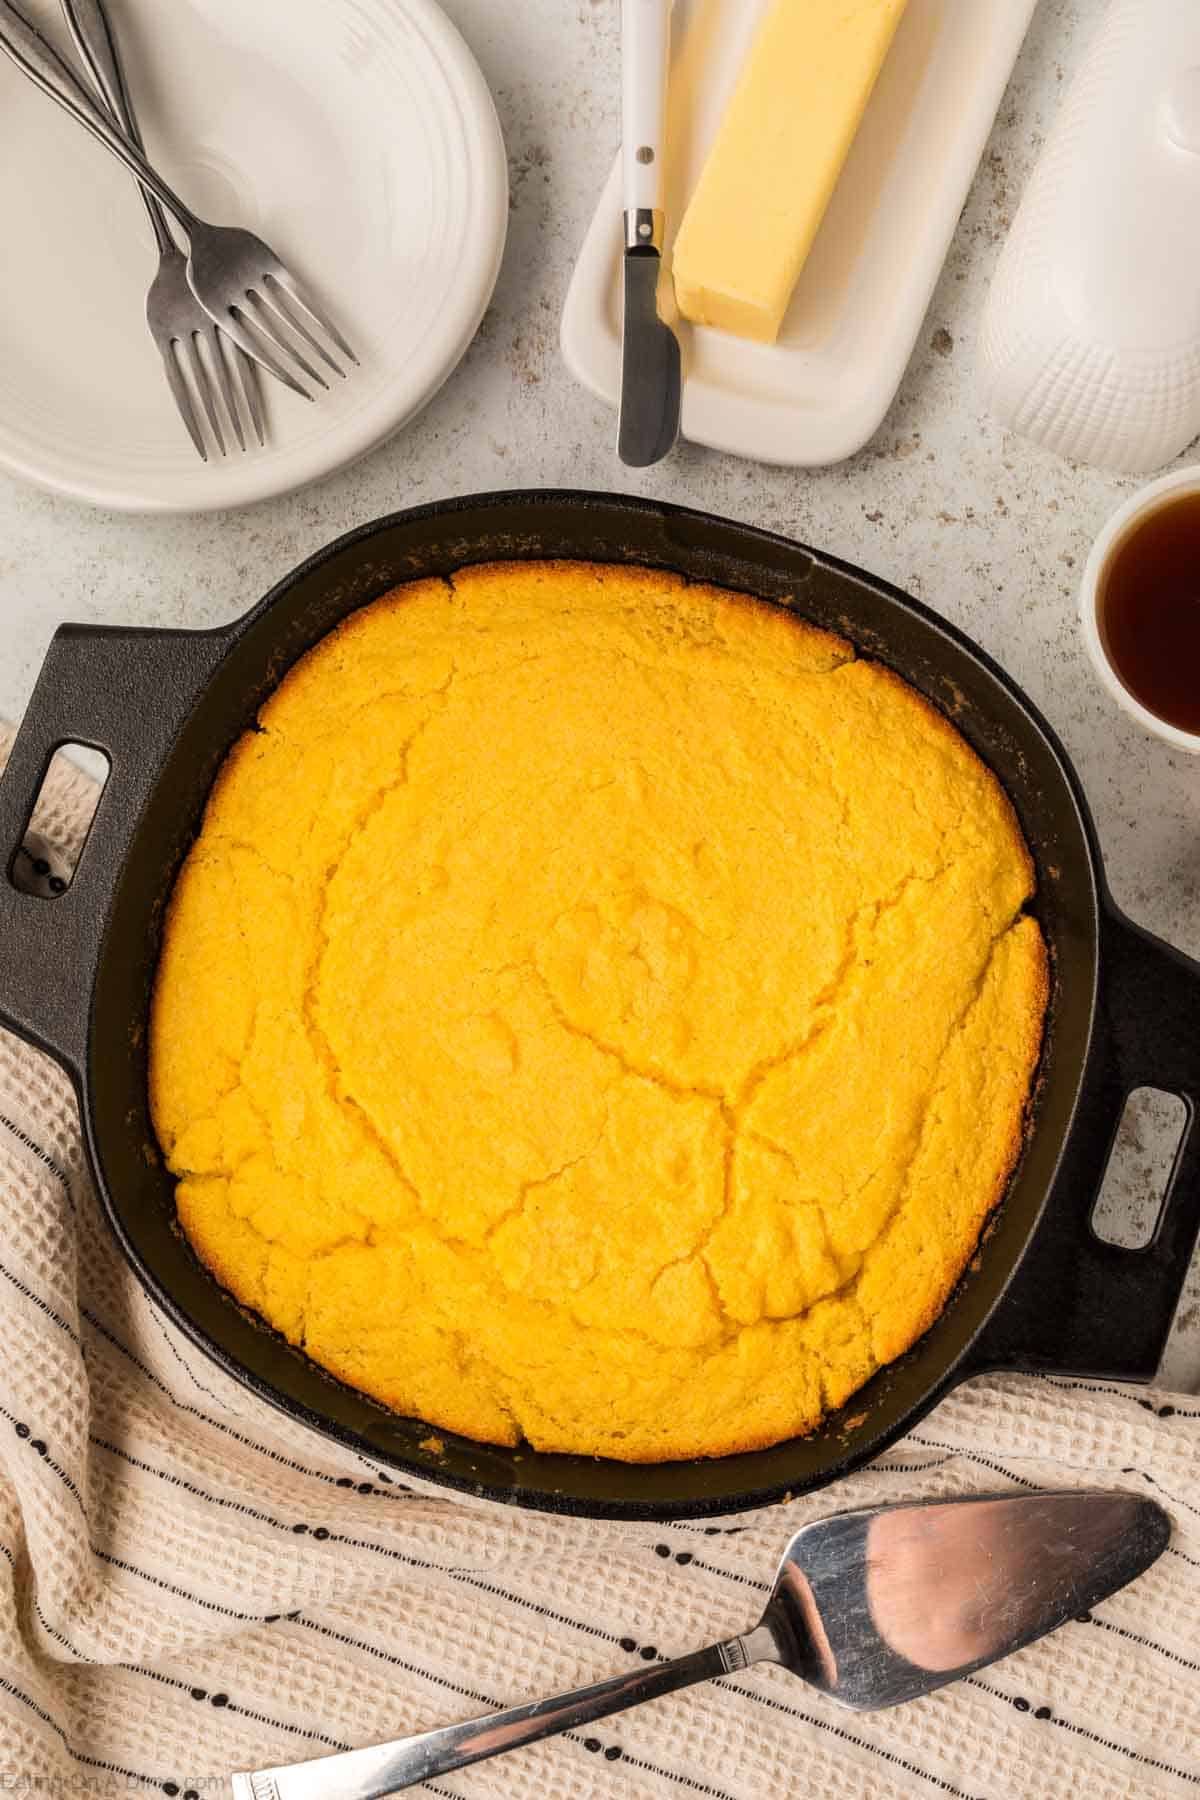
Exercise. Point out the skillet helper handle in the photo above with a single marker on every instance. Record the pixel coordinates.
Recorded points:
(1080, 1305)
(125, 693)
(1154, 1007)
(645, 42)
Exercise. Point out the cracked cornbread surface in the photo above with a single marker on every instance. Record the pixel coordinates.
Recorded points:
(596, 1010)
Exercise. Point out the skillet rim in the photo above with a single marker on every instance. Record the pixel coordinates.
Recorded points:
(956, 1367)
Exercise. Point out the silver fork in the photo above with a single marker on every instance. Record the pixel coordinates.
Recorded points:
(178, 323)
(238, 280)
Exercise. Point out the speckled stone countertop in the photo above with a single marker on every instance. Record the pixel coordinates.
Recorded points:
(945, 504)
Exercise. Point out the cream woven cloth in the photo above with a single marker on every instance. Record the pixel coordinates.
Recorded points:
(190, 1584)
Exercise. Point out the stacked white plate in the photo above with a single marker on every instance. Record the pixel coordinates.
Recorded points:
(357, 136)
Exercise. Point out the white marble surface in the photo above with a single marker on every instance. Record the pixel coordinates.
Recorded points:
(987, 531)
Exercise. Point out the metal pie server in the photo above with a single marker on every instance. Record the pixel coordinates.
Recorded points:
(651, 379)
(870, 1608)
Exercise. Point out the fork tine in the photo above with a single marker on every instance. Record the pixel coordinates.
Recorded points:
(263, 319)
(202, 382)
(289, 310)
(248, 384)
(239, 327)
(284, 279)
(182, 398)
(217, 358)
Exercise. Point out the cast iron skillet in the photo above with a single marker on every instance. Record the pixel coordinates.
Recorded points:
(75, 973)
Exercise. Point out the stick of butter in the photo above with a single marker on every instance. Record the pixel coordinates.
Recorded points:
(776, 159)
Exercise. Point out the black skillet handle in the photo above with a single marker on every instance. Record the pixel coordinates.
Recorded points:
(1079, 1305)
(124, 692)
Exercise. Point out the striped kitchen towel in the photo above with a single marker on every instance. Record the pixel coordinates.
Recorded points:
(190, 1583)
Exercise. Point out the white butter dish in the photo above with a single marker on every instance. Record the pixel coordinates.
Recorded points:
(1090, 342)
(819, 393)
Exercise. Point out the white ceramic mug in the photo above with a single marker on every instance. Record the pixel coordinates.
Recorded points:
(1146, 500)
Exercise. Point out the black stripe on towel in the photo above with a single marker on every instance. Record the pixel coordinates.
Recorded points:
(1148, 1762)
(985, 1462)
(1112, 1392)
(761, 1587)
(291, 1526)
(192, 1376)
(231, 1706)
(43, 1455)
(47, 1627)
(43, 1306)
(1148, 1643)
(93, 1762)
(395, 1489)
(166, 1681)
(169, 1587)
(626, 1761)
(169, 1341)
(389, 1551)
(891, 1756)
(1024, 1481)
(1173, 1498)
(37, 1150)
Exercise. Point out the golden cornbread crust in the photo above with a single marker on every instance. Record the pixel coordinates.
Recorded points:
(597, 1010)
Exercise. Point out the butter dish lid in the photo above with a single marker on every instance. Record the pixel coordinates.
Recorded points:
(1090, 341)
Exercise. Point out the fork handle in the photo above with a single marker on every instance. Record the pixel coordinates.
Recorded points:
(385, 1768)
(24, 43)
(93, 37)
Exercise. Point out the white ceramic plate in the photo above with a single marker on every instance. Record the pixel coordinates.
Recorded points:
(357, 137)
(819, 393)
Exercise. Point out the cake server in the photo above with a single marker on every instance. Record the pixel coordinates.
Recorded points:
(651, 381)
(870, 1608)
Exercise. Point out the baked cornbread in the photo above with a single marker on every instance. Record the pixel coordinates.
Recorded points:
(597, 1010)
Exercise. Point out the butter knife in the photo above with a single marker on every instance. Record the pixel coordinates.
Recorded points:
(651, 380)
